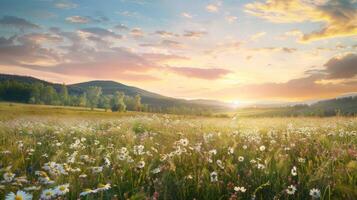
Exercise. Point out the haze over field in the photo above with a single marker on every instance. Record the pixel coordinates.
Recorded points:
(236, 51)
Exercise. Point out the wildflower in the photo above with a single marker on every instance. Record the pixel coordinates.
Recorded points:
(8, 177)
(48, 194)
(230, 150)
(294, 171)
(291, 190)
(86, 192)
(96, 170)
(20, 195)
(261, 166)
(139, 150)
(315, 193)
(213, 152)
(62, 189)
(262, 148)
(83, 176)
(102, 187)
(301, 160)
(245, 146)
(214, 177)
(156, 170)
(189, 177)
(141, 164)
(220, 164)
(107, 162)
(240, 158)
(240, 189)
(184, 142)
(121, 156)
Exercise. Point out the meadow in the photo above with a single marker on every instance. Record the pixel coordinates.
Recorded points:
(61, 153)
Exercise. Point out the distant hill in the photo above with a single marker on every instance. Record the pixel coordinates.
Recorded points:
(110, 87)
(342, 105)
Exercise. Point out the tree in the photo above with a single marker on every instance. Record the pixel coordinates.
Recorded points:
(117, 103)
(82, 100)
(36, 93)
(129, 102)
(138, 102)
(64, 95)
(104, 102)
(48, 95)
(93, 94)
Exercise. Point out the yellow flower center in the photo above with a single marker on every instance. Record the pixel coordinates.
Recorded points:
(18, 197)
(62, 188)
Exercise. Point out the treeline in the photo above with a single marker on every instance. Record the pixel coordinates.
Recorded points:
(346, 106)
(38, 93)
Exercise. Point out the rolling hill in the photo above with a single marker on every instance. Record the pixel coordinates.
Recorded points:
(110, 87)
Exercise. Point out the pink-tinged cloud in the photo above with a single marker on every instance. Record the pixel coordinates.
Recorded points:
(201, 73)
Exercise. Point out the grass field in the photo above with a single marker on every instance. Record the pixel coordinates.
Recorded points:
(64, 153)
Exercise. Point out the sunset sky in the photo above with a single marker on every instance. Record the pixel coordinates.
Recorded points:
(230, 50)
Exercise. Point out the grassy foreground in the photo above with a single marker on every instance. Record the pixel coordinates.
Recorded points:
(61, 153)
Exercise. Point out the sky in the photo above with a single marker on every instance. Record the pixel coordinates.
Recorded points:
(230, 50)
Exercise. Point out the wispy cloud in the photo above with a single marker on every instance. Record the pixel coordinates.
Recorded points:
(201, 73)
(213, 7)
(77, 19)
(194, 34)
(65, 4)
(17, 22)
(339, 17)
(186, 15)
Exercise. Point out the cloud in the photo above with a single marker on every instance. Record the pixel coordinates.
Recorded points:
(77, 19)
(166, 34)
(129, 14)
(17, 22)
(101, 32)
(165, 44)
(121, 27)
(344, 66)
(212, 8)
(65, 4)
(201, 73)
(106, 64)
(18, 51)
(186, 15)
(157, 57)
(39, 38)
(194, 34)
(231, 18)
(257, 36)
(137, 33)
(338, 16)
(275, 49)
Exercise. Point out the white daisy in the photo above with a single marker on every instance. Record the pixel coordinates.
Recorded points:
(8, 177)
(48, 194)
(262, 148)
(214, 177)
(240, 189)
(315, 193)
(141, 164)
(62, 189)
(294, 171)
(291, 190)
(102, 187)
(20, 195)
